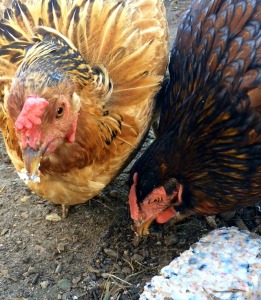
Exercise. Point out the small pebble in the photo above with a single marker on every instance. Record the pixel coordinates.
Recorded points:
(94, 295)
(240, 224)
(182, 242)
(171, 240)
(25, 198)
(31, 270)
(173, 6)
(44, 284)
(35, 279)
(3, 272)
(53, 218)
(76, 280)
(104, 275)
(65, 296)
(93, 270)
(64, 284)
(39, 248)
(87, 278)
(93, 276)
(101, 257)
(70, 259)
(4, 231)
(24, 215)
(226, 216)
(126, 271)
(135, 250)
(58, 269)
(137, 257)
(114, 193)
(60, 247)
(14, 279)
(26, 260)
(111, 253)
(116, 267)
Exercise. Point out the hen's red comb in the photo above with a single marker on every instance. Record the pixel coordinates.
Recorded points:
(134, 208)
(31, 113)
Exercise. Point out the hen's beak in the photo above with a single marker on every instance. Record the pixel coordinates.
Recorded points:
(32, 160)
(142, 228)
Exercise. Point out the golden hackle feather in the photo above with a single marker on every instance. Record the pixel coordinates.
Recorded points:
(115, 52)
(113, 42)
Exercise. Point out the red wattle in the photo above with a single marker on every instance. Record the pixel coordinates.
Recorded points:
(166, 215)
(72, 133)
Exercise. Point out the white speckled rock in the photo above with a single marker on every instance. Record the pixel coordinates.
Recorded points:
(225, 264)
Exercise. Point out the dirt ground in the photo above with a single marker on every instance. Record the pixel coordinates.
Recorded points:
(93, 254)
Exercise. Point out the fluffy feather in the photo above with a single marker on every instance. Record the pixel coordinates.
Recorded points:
(209, 141)
(108, 58)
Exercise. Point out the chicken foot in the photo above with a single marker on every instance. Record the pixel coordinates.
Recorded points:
(65, 209)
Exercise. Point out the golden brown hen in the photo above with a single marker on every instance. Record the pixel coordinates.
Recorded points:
(207, 157)
(78, 81)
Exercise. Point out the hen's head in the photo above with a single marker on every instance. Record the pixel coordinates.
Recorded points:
(153, 193)
(44, 118)
(43, 101)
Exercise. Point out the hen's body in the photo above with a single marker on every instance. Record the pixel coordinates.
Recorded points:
(207, 157)
(109, 57)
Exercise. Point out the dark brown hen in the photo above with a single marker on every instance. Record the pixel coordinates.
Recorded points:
(207, 157)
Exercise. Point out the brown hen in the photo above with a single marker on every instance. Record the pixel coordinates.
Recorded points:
(78, 81)
(207, 156)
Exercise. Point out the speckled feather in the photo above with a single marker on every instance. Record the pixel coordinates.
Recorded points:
(209, 133)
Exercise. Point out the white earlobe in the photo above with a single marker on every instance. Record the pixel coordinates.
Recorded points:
(76, 101)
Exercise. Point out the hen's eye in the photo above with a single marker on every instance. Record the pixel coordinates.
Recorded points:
(59, 112)
(154, 200)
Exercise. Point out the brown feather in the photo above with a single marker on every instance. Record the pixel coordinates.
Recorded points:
(209, 137)
(112, 55)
